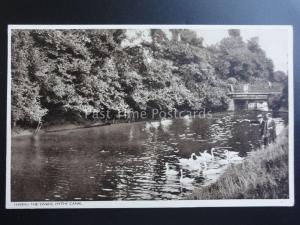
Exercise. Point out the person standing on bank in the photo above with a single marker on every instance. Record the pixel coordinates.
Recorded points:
(260, 121)
(269, 130)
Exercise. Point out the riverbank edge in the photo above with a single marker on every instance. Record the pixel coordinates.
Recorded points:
(65, 126)
(19, 131)
(262, 175)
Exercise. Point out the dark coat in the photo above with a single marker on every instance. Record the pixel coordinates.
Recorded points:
(270, 129)
(262, 128)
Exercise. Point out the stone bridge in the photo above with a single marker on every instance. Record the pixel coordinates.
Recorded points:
(251, 97)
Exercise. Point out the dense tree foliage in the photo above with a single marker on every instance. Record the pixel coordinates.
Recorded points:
(241, 60)
(62, 73)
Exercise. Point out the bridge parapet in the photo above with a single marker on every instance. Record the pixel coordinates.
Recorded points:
(257, 88)
(251, 97)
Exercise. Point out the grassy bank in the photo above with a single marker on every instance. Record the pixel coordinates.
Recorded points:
(263, 175)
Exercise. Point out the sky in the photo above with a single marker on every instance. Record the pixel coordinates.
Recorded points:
(274, 41)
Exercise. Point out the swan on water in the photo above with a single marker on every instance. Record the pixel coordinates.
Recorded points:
(232, 156)
(147, 126)
(155, 124)
(187, 120)
(223, 161)
(185, 180)
(103, 151)
(208, 156)
(212, 171)
(170, 171)
(166, 122)
(193, 163)
(219, 121)
(189, 160)
(187, 117)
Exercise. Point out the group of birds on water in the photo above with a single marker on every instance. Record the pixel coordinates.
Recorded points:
(196, 162)
(200, 163)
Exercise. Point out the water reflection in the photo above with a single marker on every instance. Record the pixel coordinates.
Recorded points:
(146, 160)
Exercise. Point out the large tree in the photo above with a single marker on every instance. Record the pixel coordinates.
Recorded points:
(61, 73)
(26, 106)
(241, 60)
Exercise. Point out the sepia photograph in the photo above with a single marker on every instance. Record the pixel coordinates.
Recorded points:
(138, 116)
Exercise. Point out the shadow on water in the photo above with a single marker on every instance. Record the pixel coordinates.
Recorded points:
(135, 161)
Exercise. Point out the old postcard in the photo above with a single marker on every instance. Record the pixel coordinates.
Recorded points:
(140, 116)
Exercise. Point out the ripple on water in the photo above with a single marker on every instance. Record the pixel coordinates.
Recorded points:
(134, 172)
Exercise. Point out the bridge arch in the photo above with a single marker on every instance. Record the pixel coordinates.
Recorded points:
(250, 98)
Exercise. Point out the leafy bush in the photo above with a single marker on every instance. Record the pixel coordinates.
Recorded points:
(63, 72)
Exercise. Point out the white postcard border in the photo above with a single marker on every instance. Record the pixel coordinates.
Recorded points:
(154, 203)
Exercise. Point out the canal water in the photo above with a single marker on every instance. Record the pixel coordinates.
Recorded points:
(132, 161)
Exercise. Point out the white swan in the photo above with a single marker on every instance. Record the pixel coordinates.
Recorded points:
(147, 126)
(230, 153)
(211, 171)
(223, 161)
(192, 157)
(233, 156)
(188, 161)
(170, 171)
(193, 163)
(166, 122)
(155, 124)
(187, 120)
(205, 155)
(185, 180)
(103, 151)
(181, 136)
